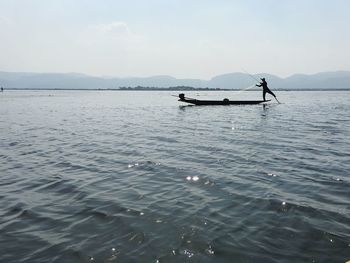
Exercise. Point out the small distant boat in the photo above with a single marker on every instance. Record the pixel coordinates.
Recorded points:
(219, 102)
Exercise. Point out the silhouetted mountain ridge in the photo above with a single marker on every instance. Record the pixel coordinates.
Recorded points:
(237, 80)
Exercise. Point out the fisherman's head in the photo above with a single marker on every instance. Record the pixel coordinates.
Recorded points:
(263, 79)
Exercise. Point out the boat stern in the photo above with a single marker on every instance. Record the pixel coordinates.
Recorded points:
(182, 96)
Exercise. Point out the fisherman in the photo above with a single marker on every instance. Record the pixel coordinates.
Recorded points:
(263, 84)
(2, 89)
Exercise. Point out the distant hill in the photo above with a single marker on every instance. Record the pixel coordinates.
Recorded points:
(324, 80)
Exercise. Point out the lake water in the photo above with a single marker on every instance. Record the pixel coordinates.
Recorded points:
(103, 176)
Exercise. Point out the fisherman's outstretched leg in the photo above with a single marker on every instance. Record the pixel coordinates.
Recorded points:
(273, 94)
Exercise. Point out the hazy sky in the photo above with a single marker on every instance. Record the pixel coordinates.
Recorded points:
(182, 38)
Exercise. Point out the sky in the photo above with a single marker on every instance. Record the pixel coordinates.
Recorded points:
(181, 38)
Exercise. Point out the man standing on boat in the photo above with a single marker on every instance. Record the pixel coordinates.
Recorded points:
(263, 84)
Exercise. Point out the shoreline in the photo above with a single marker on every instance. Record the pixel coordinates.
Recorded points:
(165, 89)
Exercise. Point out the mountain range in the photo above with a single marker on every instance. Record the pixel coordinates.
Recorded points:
(324, 80)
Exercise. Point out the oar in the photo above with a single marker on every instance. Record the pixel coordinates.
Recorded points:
(277, 100)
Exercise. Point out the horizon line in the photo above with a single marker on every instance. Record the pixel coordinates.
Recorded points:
(179, 78)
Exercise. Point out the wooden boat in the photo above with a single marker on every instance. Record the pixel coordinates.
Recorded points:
(218, 102)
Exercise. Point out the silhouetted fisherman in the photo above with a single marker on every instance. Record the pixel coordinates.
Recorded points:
(263, 84)
(2, 89)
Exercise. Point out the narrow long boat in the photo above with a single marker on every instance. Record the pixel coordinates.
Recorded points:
(218, 102)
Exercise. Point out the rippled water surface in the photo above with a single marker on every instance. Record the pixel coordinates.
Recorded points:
(88, 176)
